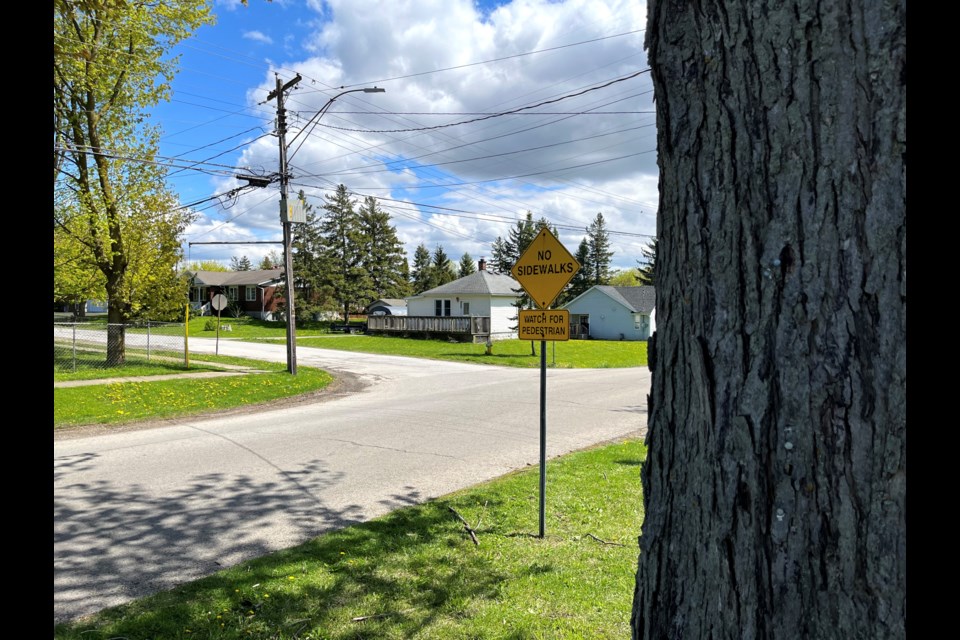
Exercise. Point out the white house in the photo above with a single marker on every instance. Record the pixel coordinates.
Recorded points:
(480, 294)
(606, 312)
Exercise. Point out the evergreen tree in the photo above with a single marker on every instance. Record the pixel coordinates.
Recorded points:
(443, 269)
(383, 255)
(581, 280)
(420, 275)
(517, 242)
(341, 259)
(240, 264)
(272, 260)
(312, 290)
(543, 223)
(466, 266)
(646, 268)
(500, 260)
(519, 238)
(600, 255)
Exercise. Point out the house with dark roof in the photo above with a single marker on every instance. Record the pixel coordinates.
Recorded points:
(605, 312)
(254, 292)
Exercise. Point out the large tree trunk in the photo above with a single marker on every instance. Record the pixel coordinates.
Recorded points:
(774, 488)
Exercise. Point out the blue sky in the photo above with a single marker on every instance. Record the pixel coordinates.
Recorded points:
(490, 110)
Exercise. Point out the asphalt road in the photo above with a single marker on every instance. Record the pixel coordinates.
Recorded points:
(144, 510)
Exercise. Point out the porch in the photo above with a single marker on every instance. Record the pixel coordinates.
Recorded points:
(474, 329)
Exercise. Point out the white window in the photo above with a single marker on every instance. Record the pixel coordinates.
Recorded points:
(466, 308)
(441, 308)
(251, 294)
(232, 294)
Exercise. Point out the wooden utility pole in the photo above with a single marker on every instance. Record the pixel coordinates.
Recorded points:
(285, 220)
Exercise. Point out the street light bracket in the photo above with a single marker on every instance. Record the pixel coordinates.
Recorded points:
(312, 122)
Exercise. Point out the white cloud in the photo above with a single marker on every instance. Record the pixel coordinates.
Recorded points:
(257, 36)
(587, 149)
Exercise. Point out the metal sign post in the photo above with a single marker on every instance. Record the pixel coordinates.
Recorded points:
(543, 270)
(543, 434)
(218, 302)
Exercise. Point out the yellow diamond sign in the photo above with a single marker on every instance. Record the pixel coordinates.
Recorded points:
(545, 268)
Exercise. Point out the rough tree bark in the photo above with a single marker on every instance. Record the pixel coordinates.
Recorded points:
(774, 488)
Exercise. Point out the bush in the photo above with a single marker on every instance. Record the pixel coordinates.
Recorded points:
(210, 325)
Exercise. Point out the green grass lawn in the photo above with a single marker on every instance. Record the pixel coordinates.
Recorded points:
(247, 327)
(415, 573)
(511, 353)
(118, 403)
(91, 368)
(121, 402)
(575, 354)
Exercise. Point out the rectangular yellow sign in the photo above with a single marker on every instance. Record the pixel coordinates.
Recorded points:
(544, 324)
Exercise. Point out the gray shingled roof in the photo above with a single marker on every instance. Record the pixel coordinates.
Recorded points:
(477, 283)
(640, 299)
(391, 302)
(236, 278)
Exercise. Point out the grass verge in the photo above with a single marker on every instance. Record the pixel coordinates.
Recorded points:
(415, 573)
(121, 402)
(92, 369)
(572, 354)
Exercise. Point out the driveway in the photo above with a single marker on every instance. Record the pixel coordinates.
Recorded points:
(147, 509)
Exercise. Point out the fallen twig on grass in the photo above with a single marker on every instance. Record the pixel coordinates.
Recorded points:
(615, 544)
(473, 534)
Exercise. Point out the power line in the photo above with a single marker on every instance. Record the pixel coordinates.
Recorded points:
(493, 115)
(497, 155)
(525, 175)
(486, 113)
(108, 153)
(510, 57)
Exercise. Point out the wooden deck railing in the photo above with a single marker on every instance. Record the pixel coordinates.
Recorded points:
(461, 327)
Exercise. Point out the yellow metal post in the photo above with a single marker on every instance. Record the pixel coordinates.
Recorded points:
(186, 338)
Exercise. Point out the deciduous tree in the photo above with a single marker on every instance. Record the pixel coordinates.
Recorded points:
(774, 487)
(623, 278)
(111, 64)
(206, 265)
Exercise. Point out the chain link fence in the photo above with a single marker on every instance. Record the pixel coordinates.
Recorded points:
(86, 345)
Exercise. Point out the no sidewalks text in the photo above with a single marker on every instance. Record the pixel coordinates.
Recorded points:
(544, 268)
